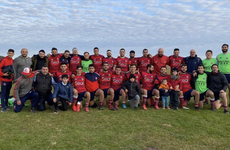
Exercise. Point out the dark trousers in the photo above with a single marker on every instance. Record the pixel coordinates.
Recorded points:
(31, 95)
(41, 101)
(174, 95)
(5, 92)
(64, 104)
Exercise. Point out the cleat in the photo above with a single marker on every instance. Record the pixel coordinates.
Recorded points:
(156, 106)
(226, 112)
(33, 110)
(78, 108)
(100, 107)
(144, 107)
(86, 109)
(135, 108)
(186, 108)
(197, 108)
(55, 111)
(4, 110)
(213, 109)
(74, 107)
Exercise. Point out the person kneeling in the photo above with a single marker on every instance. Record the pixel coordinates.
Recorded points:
(63, 92)
(132, 89)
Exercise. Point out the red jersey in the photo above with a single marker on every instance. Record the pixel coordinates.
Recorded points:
(143, 62)
(185, 79)
(79, 83)
(54, 63)
(117, 81)
(137, 77)
(159, 62)
(124, 63)
(59, 74)
(159, 79)
(105, 80)
(6, 65)
(134, 61)
(110, 61)
(148, 80)
(175, 62)
(74, 62)
(97, 61)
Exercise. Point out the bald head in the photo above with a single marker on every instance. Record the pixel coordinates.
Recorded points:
(24, 52)
(193, 53)
(160, 52)
(75, 51)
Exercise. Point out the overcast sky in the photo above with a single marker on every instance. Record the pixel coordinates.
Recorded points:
(115, 24)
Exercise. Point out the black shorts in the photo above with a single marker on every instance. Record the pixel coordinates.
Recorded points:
(227, 77)
(116, 94)
(105, 92)
(92, 94)
(149, 93)
(217, 95)
(80, 96)
(202, 95)
(188, 95)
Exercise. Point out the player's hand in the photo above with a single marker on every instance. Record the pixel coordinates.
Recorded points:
(19, 102)
(70, 103)
(72, 76)
(166, 91)
(126, 90)
(48, 55)
(54, 100)
(51, 74)
(222, 91)
(6, 74)
(171, 87)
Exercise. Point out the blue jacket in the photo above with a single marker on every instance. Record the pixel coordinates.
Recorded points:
(192, 63)
(162, 92)
(64, 91)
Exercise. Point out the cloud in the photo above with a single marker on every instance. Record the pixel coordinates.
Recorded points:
(114, 24)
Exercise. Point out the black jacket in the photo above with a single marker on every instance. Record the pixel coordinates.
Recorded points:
(217, 82)
(43, 84)
(132, 87)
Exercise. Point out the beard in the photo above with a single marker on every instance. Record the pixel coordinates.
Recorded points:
(160, 55)
(224, 50)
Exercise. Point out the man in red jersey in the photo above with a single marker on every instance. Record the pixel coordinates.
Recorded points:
(63, 70)
(97, 59)
(187, 89)
(148, 78)
(159, 60)
(175, 60)
(144, 61)
(92, 85)
(6, 78)
(110, 60)
(132, 58)
(123, 61)
(54, 60)
(75, 60)
(163, 75)
(105, 84)
(117, 80)
(80, 90)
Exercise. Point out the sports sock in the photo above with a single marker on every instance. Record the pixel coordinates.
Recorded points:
(226, 108)
(157, 100)
(144, 99)
(86, 104)
(212, 102)
(75, 99)
(101, 103)
(182, 101)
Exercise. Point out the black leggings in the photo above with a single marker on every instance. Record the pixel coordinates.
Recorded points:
(174, 95)
(64, 105)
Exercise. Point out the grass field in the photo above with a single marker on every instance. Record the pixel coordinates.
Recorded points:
(123, 129)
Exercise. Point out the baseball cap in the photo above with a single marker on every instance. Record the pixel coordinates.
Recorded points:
(26, 71)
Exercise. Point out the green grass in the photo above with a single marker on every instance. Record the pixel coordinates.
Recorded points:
(123, 129)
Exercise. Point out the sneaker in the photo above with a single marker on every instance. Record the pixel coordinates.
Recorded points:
(144, 107)
(33, 110)
(74, 107)
(3, 110)
(94, 105)
(156, 106)
(110, 106)
(213, 109)
(175, 108)
(8, 108)
(55, 111)
(78, 108)
(163, 107)
(168, 107)
(135, 108)
(226, 112)
(86, 109)
(100, 107)
(115, 107)
(124, 106)
(185, 107)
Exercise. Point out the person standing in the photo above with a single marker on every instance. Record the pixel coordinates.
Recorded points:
(110, 60)
(123, 61)
(86, 62)
(20, 63)
(144, 61)
(54, 61)
(223, 61)
(159, 60)
(175, 60)
(209, 61)
(6, 78)
(97, 59)
(192, 62)
(38, 61)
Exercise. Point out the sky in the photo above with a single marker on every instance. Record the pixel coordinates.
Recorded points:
(115, 24)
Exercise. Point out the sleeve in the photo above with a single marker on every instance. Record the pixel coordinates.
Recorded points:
(124, 86)
(180, 85)
(224, 82)
(138, 89)
(15, 67)
(56, 89)
(82, 57)
(200, 61)
(16, 91)
(71, 94)
(1, 66)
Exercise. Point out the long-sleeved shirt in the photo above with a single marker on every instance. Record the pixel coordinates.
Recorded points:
(19, 64)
